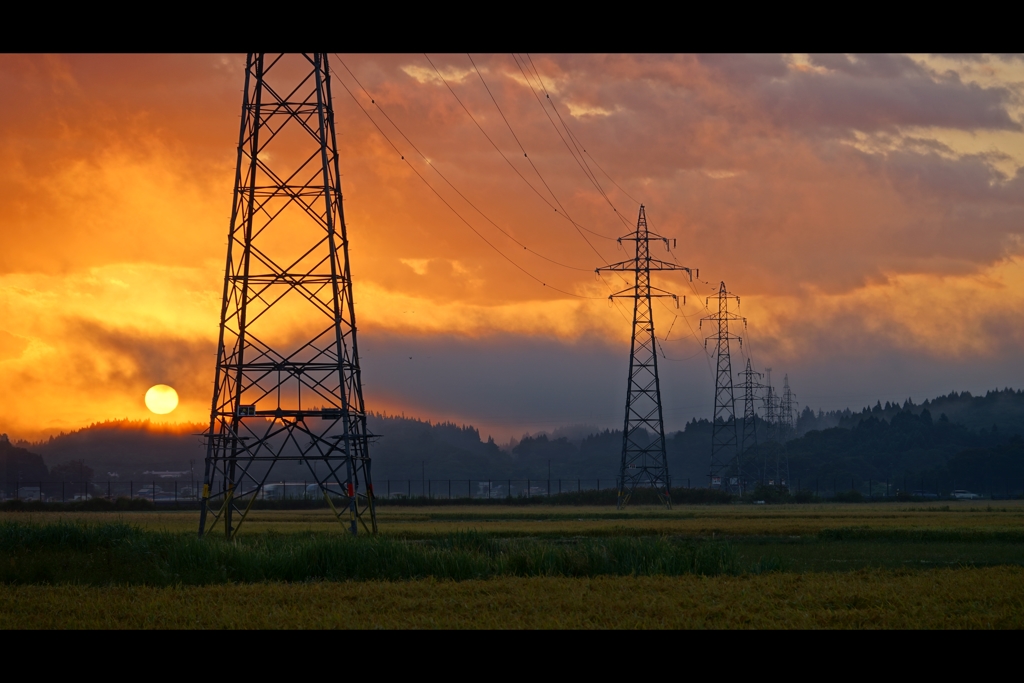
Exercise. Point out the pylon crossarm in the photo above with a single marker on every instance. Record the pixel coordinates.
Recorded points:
(657, 264)
(621, 266)
(624, 294)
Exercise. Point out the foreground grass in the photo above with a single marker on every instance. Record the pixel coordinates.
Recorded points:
(121, 554)
(946, 598)
(112, 554)
(884, 567)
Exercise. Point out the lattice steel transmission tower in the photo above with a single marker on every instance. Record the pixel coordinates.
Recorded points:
(724, 435)
(777, 473)
(751, 384)
(287, 385)
(644, 463)
(770, 401)
(787, 423)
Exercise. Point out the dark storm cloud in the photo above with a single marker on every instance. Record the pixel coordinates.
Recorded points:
(867, 93)
(511, 384)
(967, 177)
(746, 69)
(501, 380)
(516, 385)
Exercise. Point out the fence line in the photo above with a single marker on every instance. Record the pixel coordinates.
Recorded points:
(166, 492)
(183, 491)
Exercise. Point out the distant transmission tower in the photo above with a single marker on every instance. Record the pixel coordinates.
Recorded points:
(644, 463)
(777, 473)
(287, 384)
(724, 436)
(787, 420)
(770, 401)
(751, 384)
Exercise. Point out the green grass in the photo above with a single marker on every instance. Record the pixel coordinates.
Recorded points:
(555, 522)
(118, 553)
(110, 554)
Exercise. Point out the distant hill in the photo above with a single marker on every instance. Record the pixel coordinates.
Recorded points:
(406, 448)
(907, 445)
(1002, 408)
(19, 465)
(909, 450)
(126, 449)
(890, 438)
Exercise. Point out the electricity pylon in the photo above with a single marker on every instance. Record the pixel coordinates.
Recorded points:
(724, 436)
(751, 383)
(770, 401)
(644, 462)
(787, 423)
(779, 474)
(287, 384)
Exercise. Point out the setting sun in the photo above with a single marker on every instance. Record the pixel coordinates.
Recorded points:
(161, 399)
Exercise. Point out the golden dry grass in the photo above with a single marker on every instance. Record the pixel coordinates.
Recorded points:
(944, 598)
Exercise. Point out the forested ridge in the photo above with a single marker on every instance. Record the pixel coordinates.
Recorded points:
(975, 441)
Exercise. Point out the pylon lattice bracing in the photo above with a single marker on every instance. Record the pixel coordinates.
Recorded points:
(787, 411)
(287, 384)
(751, 385)
(770, 408)
(777, 473)
(644, 461)
(724, 471)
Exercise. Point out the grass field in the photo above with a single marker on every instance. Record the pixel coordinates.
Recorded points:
(858, 565)
(942, 598)
(555, 522)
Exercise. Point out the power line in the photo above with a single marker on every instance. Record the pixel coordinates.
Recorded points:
(707, 356)
(450, 184)
(581, 160)
(564, 212)
(604, 171)
(679, 360)
(373, 101)
(548, 187)
(579, 143)
(521, 148)
(438, 194)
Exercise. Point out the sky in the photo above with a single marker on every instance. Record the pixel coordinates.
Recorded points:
(868, 210)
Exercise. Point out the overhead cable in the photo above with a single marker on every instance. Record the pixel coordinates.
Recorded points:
(518, 142)
(577, 156)
(563, 212)
(450, 184)
(438, 194)
(473, 118)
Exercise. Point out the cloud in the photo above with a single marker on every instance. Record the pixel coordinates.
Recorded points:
(11, 345)
(427, 75)
(870, 92)
(90, 372)
(848, 199)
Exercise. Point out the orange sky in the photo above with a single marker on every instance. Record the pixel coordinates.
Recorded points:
(868, 210)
